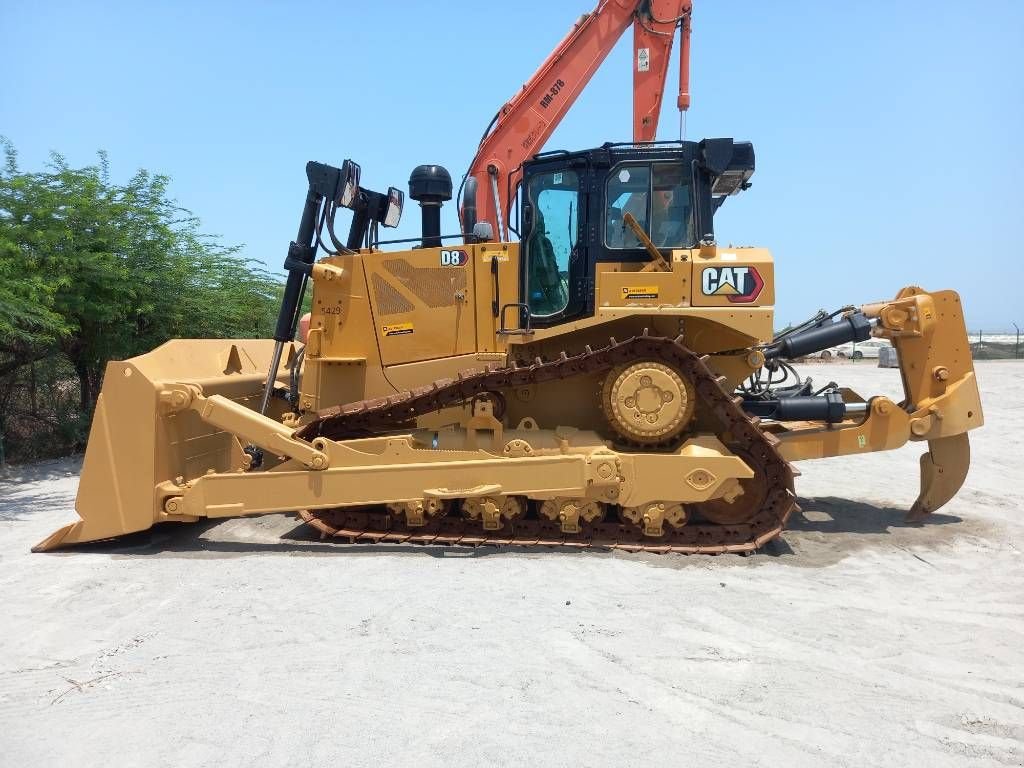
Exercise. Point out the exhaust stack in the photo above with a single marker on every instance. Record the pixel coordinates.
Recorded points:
(430, 186)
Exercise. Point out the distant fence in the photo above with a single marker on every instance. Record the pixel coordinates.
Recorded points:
(995, 346)
(984, 346)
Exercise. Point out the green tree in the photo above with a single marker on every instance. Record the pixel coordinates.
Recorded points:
(92, 270)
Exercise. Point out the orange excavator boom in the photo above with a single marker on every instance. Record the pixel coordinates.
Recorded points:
(524, 124)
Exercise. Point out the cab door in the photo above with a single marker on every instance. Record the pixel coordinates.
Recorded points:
(554, 251)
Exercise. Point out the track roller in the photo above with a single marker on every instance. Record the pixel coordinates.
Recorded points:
(652, 517)
(493, 510)
(569, 512)
(417, 513)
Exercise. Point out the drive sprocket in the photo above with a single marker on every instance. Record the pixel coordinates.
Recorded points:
(647, 402)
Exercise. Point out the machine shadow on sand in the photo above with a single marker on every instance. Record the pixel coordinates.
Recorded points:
(834, 515)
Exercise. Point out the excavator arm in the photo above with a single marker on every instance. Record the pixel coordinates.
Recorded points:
(525, 123)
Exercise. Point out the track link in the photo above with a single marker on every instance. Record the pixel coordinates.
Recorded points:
(738, 431)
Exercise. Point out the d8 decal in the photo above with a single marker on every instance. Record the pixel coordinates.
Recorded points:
(454, 258)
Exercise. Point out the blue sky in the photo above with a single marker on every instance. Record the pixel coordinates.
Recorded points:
(888, 134)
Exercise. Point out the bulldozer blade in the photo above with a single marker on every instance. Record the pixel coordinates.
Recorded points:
(135, 444)
(68, 535)
(943, 471)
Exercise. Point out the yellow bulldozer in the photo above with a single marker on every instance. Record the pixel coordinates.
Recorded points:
(609, 378)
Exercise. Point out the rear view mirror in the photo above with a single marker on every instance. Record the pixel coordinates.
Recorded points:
(393, 213)
(349, 183)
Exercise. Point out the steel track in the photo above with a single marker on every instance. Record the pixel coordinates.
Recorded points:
(738, 431)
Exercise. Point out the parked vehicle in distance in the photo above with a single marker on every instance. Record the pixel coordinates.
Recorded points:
(856, 350)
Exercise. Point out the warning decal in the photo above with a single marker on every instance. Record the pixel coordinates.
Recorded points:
(640, 292)
(397, 329)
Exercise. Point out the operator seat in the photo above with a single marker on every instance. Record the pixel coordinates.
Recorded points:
(672, 230)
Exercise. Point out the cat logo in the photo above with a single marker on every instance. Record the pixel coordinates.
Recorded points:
(741, 285)
(454, 258)
(397, 329)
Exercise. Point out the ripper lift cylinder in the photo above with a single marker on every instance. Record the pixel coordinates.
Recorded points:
(853, 327)
(829, 408)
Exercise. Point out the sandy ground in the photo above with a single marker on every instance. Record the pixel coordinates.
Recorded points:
(855, 641)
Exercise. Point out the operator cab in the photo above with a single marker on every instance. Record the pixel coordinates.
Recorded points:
(574, 207)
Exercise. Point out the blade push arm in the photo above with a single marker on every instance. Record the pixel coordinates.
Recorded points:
(525, 123)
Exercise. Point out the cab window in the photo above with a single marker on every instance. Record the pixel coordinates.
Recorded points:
(552, 240)
(658, 197)
(628, 191)
(671, 219)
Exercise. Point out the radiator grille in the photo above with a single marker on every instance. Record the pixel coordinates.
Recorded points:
(389, 300)
(434, 286)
